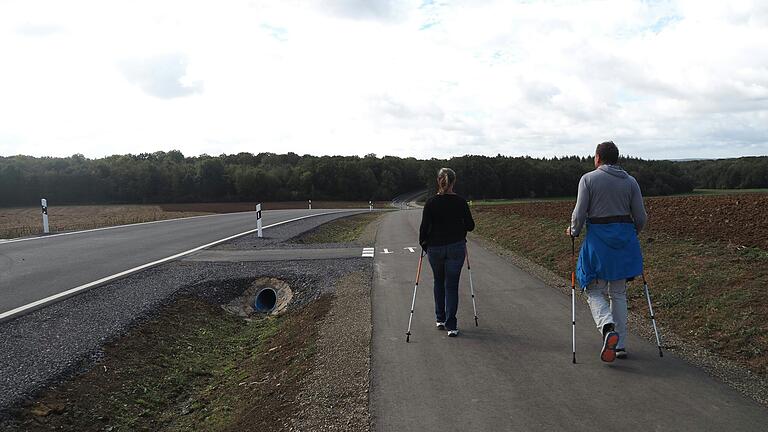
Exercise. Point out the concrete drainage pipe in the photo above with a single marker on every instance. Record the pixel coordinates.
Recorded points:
(265, 301)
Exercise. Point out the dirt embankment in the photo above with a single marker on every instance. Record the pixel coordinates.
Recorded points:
(740, 220)
(194, 366)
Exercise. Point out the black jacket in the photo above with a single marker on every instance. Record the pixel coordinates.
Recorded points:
(445, 220)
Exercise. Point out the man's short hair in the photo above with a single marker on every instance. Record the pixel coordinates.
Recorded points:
(608, 152)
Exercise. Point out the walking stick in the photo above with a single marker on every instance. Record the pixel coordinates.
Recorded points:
(573, 296)
(471, 287)
(413, 302)
(653, 318)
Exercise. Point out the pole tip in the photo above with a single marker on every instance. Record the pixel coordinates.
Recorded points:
(574, 358)
(661, 353)
(408, 337)
(476, 325)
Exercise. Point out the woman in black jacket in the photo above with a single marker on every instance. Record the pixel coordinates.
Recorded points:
(443, 232)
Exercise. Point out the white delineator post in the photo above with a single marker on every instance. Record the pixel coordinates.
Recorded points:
(370, 205)
(310, 204)
(258, 219)
(44, 205)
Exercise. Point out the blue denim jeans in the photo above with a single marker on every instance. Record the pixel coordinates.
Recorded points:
(446, 262)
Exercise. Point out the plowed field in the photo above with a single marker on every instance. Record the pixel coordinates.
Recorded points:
(740, 220)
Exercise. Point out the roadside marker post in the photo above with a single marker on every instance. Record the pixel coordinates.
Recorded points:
(258, 219)
(370, 205)
(44, 205)
(310, 204)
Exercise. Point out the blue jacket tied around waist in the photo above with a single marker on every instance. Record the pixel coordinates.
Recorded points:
(609, 252)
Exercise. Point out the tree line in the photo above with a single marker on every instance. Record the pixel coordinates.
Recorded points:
(741, 173)
(171, 177)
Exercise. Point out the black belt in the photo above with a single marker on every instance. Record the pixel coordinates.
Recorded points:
(610, 220)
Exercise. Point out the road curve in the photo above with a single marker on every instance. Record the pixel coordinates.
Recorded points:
(37, 268)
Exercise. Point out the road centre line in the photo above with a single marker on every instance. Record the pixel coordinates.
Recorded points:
(27, 307)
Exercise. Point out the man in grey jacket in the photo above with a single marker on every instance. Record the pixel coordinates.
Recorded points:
(610, 203)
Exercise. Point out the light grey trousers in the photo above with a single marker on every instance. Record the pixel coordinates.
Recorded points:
(608, 303)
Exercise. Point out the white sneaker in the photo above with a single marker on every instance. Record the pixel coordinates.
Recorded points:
(453, 333)
(440, 325)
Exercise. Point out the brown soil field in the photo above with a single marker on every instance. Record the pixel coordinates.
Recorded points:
(20, 222)
(739, 220)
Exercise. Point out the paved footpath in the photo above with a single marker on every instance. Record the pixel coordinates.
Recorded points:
(514, 371)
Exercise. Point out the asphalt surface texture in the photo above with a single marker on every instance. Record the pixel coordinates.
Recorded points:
(514, 372)
(37, 268)
(284, 254)
(42, 347)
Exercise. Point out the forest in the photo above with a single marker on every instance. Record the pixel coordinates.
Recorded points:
(171, 177)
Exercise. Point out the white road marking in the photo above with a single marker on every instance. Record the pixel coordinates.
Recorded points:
(413, 250)
(20, 309)
(386, 251)
(368, 252)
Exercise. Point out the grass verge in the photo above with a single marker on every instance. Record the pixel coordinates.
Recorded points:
(344, 230)
(713, 293)
(195, 367)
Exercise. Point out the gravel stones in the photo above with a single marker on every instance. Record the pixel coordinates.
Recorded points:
(335, 394)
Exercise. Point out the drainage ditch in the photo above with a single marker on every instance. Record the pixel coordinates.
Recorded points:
(264, 296)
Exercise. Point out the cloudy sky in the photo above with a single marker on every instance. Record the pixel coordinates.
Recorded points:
(663, 79)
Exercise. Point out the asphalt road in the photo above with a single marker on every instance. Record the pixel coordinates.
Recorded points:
(265, 255)
(34, 269)
(514, 371)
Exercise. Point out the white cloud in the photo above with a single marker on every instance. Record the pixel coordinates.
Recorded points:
(163, 76)
(411, 78)
(35, 30)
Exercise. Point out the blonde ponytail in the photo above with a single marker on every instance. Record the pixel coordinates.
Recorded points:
(446, 178)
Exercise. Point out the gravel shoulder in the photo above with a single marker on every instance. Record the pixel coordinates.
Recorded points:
(335, 395)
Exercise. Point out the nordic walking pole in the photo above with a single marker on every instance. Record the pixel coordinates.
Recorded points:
(653, 318)
(471, 287)
(573, 295)
(413, 302)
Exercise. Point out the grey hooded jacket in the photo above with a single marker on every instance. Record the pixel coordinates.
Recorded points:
(608, 191)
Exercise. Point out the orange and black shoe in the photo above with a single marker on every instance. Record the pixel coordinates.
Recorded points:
(608, 354)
